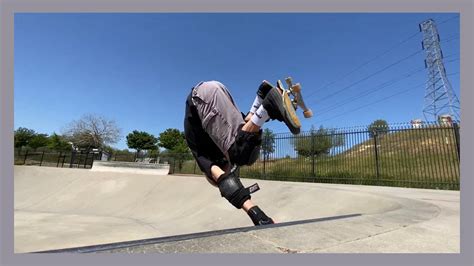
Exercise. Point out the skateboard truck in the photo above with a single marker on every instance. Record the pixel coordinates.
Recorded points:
(295, 91)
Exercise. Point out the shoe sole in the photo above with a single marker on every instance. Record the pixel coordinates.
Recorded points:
(291, 119)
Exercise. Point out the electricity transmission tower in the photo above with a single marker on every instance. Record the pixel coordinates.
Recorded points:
(440, 98)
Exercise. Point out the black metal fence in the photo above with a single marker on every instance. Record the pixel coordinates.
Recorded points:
(404, 155)
(69, 159)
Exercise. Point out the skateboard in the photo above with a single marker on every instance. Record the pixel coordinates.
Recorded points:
(295, 101)
(295, 91)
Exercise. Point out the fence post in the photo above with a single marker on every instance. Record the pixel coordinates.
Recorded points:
(59, 157)
(194, 171)
(312, 155)
(73, 157)
(42, 156)
(26, 155)
(457, 139)
(263, 151)
(85, 161)
(264, 162)
(376, 155)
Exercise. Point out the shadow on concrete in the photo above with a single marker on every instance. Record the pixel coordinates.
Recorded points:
(151, 241)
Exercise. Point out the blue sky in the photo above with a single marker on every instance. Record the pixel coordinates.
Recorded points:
(137, 69)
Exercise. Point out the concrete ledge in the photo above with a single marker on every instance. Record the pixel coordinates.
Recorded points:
(131, 167)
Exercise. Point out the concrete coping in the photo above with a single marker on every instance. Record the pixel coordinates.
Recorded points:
(131, 165)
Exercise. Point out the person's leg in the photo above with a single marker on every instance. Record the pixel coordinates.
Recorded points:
(279, 106)
(272, 102)
(222, 120)
(223, 123)
(218, 172)
(203, 148)
(233, 186)
(220, 117)
(262, 92)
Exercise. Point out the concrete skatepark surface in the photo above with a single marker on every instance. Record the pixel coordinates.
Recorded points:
(58, 208)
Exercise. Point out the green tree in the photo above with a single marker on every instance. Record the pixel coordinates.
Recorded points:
(39, 141)
(181, 147)
(140, 140)
(154, 153)
(380, 127)
(58, 143)
(173, 140)
(23, 137)
(317, 142)
(268, 143)
(176, 147)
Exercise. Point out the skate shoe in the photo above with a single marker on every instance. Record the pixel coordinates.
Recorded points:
(263, 89)
(280, 107)
(259, 217)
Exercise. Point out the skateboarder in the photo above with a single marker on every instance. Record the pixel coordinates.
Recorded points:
(221, 138)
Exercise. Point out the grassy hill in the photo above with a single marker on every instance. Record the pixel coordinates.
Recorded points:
(424, 158)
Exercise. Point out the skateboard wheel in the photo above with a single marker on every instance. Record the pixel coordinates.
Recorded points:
(296, 88)
(308, 113)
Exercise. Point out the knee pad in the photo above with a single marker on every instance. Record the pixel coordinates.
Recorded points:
(232, 189)
(246, 148)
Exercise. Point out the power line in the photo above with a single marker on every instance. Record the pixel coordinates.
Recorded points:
(371, 75)
(365, 63)
(372, 90)
(381, 100)
(448, 19)
(450, 55)
(452, 60)
(372, 103)
(365, 93)
(448, 40)
(381, 86)
(450, 36)
(376, 57)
